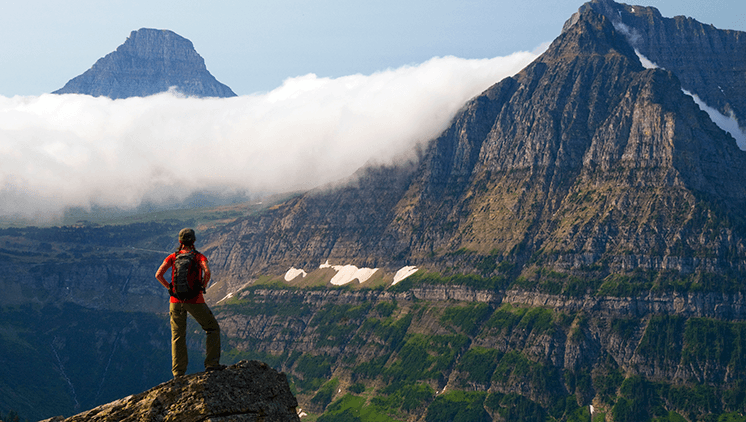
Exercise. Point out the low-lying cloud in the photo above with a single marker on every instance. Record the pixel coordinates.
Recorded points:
(62, 151)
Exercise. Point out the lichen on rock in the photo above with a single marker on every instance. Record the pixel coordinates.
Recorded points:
(247, 391)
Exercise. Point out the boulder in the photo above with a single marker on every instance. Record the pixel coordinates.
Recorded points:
(247, 391)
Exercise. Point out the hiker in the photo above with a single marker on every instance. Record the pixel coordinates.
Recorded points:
(190, 276)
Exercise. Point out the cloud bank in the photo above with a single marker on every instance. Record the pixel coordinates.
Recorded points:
(62, 151)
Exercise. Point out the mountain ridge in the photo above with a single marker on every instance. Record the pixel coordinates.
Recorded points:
(584, 157)
(704, 63)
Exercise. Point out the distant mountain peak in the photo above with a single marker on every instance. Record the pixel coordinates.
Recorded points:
(149, 62)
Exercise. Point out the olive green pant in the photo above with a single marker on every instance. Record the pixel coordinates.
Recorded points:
(204, 317)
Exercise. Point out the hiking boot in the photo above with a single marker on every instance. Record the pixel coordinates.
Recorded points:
(215, 368)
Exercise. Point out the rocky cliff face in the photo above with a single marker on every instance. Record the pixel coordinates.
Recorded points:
(702, 56)
(330, 223)
(116, 283)
(247, 391)
(585, 159)
(149, 62)
(94, 267)
(410, 347)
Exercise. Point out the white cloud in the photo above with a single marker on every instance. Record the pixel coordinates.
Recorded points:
(633, 35)
(61, 151)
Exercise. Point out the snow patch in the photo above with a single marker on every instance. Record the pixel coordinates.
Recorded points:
(348, 273)
(293, 273)
(231, 294)
(228, 296)
(403, 273)
(646, 63)
(727, 123)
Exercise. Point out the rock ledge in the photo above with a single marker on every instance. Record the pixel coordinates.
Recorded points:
(246, 391)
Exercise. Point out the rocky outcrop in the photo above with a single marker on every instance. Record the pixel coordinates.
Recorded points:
(248, 391)
(149, 62)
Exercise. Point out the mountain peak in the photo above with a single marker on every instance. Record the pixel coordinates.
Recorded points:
(708, 61)
(161, 44)
(584, 159)
(587, 33)
(149, 62)
(248, 390)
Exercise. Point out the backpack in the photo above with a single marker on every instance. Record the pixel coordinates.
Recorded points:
(186, 276)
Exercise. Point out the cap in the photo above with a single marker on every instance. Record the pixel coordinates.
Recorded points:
(187, 236)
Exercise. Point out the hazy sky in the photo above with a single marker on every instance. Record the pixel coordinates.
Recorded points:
(324, 87)
(252, 46)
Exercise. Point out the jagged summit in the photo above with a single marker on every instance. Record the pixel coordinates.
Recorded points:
(584, 159)
(246, 391)
(708, 61)
(149, 62)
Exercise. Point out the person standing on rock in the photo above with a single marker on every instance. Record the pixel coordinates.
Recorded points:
(190, 276)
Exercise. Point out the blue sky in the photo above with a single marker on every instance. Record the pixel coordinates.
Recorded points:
(252, 46)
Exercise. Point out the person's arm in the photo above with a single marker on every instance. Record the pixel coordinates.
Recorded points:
(161, 271)
(205, 273)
